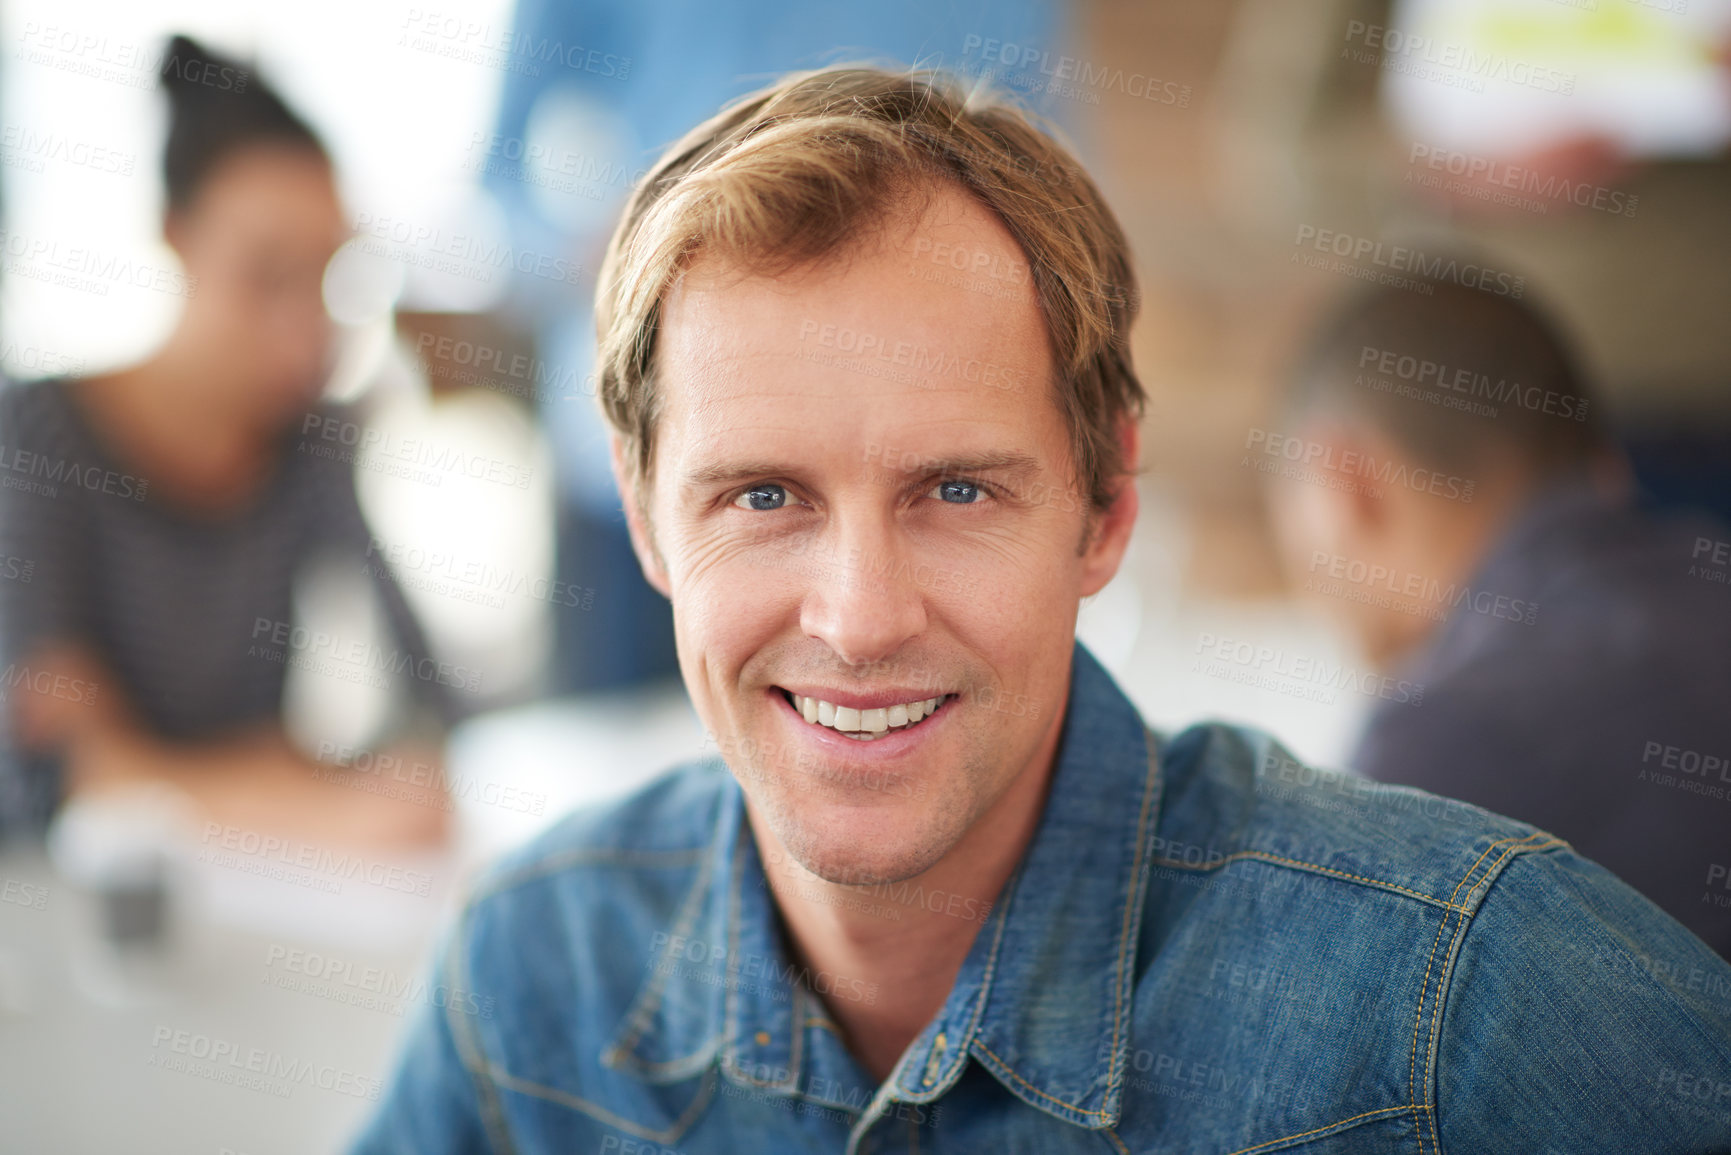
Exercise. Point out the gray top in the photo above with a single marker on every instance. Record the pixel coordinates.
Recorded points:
(171, 601)
(1607, 720)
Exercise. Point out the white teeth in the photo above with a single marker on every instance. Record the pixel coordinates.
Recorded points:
(864, 724)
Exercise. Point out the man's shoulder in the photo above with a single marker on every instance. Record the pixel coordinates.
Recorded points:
(1513, 891)
(1235, 795)
(1376, 958)
(558, 938)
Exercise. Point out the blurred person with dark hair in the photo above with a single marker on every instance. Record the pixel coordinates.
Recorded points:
(1480, 535)
(133, 650)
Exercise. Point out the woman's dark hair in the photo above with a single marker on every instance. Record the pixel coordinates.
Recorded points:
(217, 106)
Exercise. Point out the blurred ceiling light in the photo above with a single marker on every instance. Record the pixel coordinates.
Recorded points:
(361, 285)
(577, 161)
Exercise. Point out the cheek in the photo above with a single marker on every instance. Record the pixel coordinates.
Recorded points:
(1008, 580)
(1306, 521)
(1017, 618)
(728, 601)
(230, 307)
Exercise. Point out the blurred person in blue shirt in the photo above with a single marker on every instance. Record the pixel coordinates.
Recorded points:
(603, 85)
(865, 358)
(1481, 538)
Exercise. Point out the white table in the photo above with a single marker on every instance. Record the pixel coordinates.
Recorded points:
(268, 1018)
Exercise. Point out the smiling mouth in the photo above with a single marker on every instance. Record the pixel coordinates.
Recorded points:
(865, 725)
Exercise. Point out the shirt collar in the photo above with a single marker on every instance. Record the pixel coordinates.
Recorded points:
(1043, 1000)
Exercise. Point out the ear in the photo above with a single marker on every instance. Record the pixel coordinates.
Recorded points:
(1364, 504)
(174, 232)
(1331, 509)
(637, 523)
(1110, 536)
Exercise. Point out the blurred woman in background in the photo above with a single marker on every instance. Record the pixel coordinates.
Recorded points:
(186, 503)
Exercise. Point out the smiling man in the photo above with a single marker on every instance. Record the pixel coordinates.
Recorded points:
(865, 352)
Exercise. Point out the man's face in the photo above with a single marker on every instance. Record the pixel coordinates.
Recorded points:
(862, 494)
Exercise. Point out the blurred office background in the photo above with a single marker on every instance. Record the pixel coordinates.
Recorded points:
(481, 177)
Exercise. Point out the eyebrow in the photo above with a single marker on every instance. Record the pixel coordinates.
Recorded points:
(1013, 462)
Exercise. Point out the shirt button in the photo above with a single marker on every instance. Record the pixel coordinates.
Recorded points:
(762, 1038)
(934, 1059)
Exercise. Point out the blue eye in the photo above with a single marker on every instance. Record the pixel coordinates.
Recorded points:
(762, 497)
(958, 492)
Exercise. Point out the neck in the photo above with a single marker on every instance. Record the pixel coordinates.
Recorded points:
(1448, 542)
(897, 945)
(185, 383)
(173, 417)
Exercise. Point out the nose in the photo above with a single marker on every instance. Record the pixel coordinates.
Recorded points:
(864, 600)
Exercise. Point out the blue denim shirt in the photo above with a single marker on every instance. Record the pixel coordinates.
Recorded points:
(1208, 947)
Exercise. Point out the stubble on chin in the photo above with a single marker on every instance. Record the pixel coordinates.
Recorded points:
(820, 840)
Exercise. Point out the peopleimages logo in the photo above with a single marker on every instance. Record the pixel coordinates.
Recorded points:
(135, 65)
(1402, 259)
(47, 684)
(919, 364)
(1454, 64)
(712, 963)
(509, 49)
(367, 987)
(273, 1072)
(419, 457)
(86, 269)
(1499, 182)
(1325, 464)
(275, 856)
(1068, 76)
(469, 255)
(1330, 573)
(1472, 383)
(1272, 668)
(22, 146)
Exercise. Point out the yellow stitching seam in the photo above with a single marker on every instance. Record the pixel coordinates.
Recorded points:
(1265, 856)
(650, 997)
(1460, 929)
(1418, 1017)
(586, 856)
(1123, 934)
(1456, 891)
(1148, 787)
(1514, 843)
(601, 1114)
(996, 1058)
(1435, 1016)
(1329, 1127)
(470, 1050)
(1424, 987)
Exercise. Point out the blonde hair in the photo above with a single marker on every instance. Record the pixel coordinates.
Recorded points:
(800, 169)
